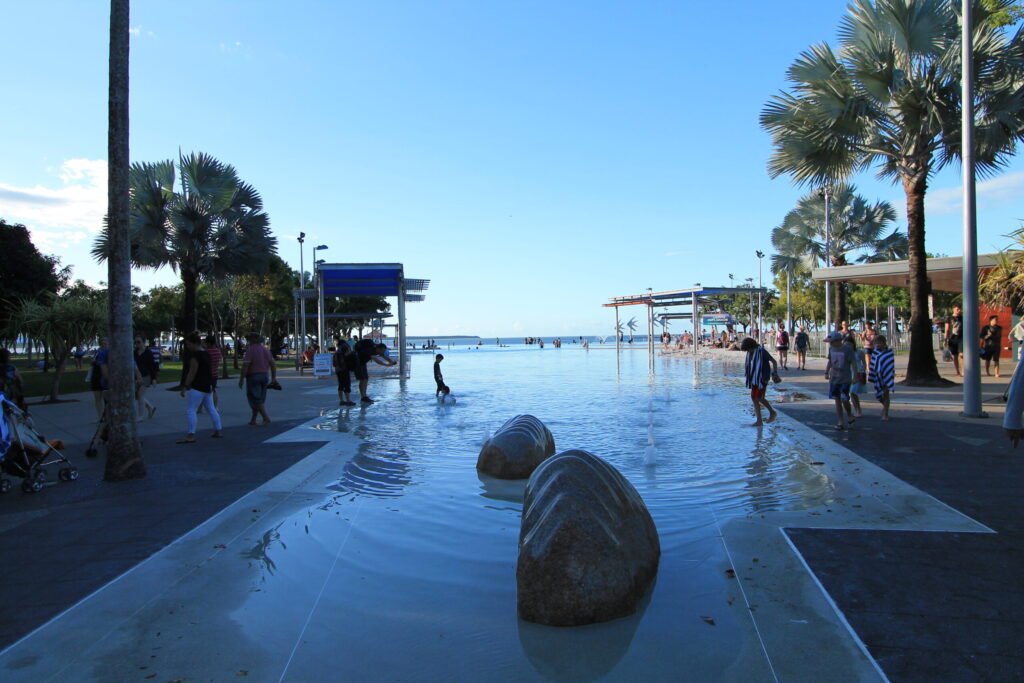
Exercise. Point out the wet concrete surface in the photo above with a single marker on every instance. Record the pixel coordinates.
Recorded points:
(930, 606)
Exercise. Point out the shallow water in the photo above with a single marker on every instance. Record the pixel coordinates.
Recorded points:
(409, 557)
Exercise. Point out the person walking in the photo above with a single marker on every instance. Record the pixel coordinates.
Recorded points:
(782, 345)
(759, 369)
(438, 377)
(216, 357)
(802, 341)
(860, 377)
(954, 337)
(342, 361)
(144, 364)
(198, 389)
(839, 373)
(98, 376)
(883, 373)
(991, 341)
(259, 371)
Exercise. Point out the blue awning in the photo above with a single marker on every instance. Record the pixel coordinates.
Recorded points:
(362, 279)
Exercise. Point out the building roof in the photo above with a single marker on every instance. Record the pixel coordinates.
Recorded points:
(945, 273)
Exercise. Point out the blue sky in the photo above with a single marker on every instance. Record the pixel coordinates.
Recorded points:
(531, 158)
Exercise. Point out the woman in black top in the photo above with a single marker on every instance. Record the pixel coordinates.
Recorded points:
(991, 338)
(198, 385)
(144, 364)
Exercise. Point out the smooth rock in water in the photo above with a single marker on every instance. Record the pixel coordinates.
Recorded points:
(516, 449)
(588, 548)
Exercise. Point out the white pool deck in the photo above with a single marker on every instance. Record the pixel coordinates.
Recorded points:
(193, 612)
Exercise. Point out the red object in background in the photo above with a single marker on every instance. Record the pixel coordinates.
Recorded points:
(1005, 320)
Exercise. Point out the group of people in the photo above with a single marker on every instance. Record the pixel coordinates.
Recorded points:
(849, 370)
(990, 341)
(354, 359)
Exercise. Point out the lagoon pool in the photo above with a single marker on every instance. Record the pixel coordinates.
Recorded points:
(424, 586)
(383, 556)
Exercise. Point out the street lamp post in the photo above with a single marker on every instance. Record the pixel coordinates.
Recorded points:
(320, 318)
(750, 296)
(301, 342)
(972, 364)
(760, 286)
(826, 192)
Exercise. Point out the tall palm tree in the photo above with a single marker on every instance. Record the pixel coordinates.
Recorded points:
(891, 97)
(124, 452)
(213, 227)
(858, 234)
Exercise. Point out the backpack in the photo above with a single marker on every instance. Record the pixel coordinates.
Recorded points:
(784, 338)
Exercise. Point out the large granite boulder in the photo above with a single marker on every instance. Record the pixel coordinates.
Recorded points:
(516, 449)
(588, 548)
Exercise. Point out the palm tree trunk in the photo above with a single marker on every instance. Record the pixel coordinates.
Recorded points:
(191, 283)
(57, 375)
(124, 452)
(922, 370)
(842, 310)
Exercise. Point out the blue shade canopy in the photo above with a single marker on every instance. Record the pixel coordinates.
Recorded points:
(362, 279)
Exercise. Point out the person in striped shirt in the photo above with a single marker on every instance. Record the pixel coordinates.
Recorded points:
(882, 373)
(759, 369)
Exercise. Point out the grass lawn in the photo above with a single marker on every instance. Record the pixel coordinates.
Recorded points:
(38, 383)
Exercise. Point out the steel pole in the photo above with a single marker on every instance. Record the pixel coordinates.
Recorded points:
(321, 321)
(789, 305)
(760, 315)
(828, 257)
(302, 299)
(972, 362)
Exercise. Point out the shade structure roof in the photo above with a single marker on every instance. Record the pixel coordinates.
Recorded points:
(945, 273)
(366, 279)
(678, 297)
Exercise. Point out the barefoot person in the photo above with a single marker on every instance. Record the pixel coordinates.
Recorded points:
(782, 345)
(954, 337)
(860, 377)
(991, 342)
(365, 351)
(258, 372)
(198, 388)
(883, 373)
(839, 373)
(144, 364)
(438, 377)
(342, 361)
(802, 342)
(759, 368)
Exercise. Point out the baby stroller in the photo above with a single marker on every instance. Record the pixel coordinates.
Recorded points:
(24, 452)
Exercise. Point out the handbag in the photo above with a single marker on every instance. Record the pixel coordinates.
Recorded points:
(985, 353)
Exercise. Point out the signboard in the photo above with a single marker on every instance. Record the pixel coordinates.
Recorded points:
(718, 319)
(322, 366)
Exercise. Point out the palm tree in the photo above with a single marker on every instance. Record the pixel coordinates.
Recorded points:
(632, 328)
(124, 452)
(858, 234)
(215, 226)
(61, 322)
(891, 97)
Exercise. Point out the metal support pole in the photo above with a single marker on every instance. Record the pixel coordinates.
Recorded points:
(827, 192)
(789, 304)
(302, 298)
(618, 345)
(972, 362)
(401, 329)
(696, 323)
(650, 337)
(760, 287)
(295, 337)
(320, 319)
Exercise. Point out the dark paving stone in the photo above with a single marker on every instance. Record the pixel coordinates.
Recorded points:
(94, 531)
(932, 606)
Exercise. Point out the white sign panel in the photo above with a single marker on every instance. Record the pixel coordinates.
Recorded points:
(322, 366)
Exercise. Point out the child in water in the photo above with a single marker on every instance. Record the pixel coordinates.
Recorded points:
(446, 396)
(438, 377)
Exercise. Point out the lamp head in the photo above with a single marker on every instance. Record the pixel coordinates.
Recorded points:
(302, 237)
(760, 254)
(322, 246)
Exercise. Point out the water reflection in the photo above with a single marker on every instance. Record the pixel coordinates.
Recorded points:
(260, 552)
(376, 471)
(580, 653)
(507, 490)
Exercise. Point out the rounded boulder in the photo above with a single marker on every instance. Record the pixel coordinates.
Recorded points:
(588, 548)
(516, 449)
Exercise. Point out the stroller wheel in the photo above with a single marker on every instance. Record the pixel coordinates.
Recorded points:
(31, 486)
(41, 476)
(91, 453)
(68, 474)
(5, 485)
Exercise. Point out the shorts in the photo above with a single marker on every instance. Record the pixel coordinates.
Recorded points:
(344, 381)
(782, 347)
(801, 349)
(360, 371)
(954, 344)
(213, 384)
(840, 390)
(858, 388)
(757, 393)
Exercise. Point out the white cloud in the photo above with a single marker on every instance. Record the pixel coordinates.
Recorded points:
(231, 47)
(135, 30)
(63, 217)
(949, 200)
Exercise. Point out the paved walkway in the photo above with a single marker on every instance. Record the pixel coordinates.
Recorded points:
(68, 540)
(929, 606)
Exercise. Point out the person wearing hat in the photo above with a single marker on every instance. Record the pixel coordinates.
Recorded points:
(839, 373)
(438, 377)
